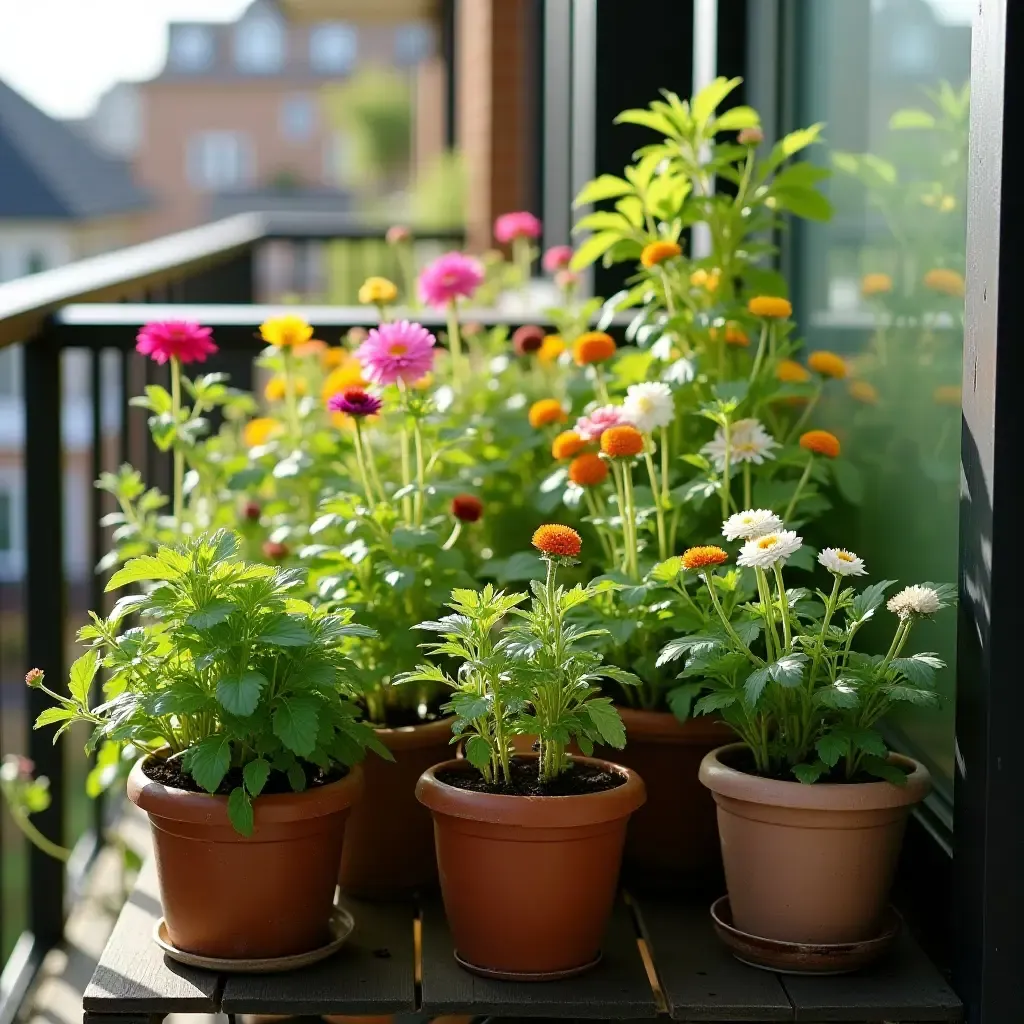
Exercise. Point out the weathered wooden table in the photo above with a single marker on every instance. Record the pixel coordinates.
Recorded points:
(660, 959)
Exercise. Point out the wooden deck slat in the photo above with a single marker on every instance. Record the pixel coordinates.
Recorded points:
(616, 989)
(373, 973)
(701, 980)
(134, 976)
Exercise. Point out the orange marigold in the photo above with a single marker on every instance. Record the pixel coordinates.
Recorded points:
(704, 557)
(560, 541)
(875, 284)
(588, 470)
(770, 307)
(550, 349)
(593, 347)
(828, 364)
(657, 252)
(946, 281)
(735, 335)
(567, 445)
(789, 371)
(545, 412)
(862, 391)
(622, 442)
(821, 442)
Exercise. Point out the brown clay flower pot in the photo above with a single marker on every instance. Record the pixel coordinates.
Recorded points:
(528, 882)
(226, 895)
(809, 863)
(389, 840)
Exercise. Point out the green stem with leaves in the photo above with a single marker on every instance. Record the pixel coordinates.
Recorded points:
(799, 488)
(455, 342)
(659, 509)
(761, 347)
(179, 452)
(361, 463)
(733, 635)
(726, 468)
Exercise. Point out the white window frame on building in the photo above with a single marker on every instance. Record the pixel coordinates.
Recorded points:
(333, 48)
(221, 161)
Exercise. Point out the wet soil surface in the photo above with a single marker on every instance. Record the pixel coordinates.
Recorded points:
(169, 773)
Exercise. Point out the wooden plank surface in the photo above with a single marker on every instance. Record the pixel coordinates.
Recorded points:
(373, 973)
(616, 989)
(701, 979)
(904, 987)
(134, 976)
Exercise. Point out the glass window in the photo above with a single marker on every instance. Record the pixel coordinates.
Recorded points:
(339, 160)
(260, 45)
(191, 48)
(413, 43)
(220, 161)
(298, 118)
(882, 284)
(333, 48)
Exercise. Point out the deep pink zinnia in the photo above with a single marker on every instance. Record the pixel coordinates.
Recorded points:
(182, 339)
(593, 425)
(397, 351)
(451, 276)
(557, 258)
(510, 226)
(354, 402)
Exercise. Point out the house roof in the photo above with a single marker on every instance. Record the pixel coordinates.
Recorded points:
(47, 170)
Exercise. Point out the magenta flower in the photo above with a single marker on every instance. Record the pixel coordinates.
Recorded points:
(399, 351)
(557, 258)
(181, 339)
(593, 425)
(450, 277)
(354, 402)
(510, 226)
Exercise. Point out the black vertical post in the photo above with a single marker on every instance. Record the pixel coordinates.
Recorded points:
(448, 55)
(97, 579)
(45, 609)
(989, 796)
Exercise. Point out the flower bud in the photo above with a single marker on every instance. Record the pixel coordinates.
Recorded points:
(275, 550)
(753, 136)
(251, 511)
(34, 678)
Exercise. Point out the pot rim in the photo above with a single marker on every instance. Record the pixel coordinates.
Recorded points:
(212, 808)
(579, 809)
(663, 726)
(829, 796)
(408, 737)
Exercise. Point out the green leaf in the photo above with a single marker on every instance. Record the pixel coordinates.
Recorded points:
(864, 604)
(680, 699)
(882, 769)
(920, 669)
(604, 220)
(647, 119)
(707, 101)
(284, 631)
(804, 202)
(755, 684)
(714, 702)
(83, 671)
(839, 695)
(208, 762)
(831, 747)
(211, 613)
(240, 811)
(241, 694)
(296, 723)
(478, 752)
(593, 249)
(255, 774)
(789, 669)
(606, 186)
(870, 742)
(808, 774)
(737, 119)
(51, 716)
(911, 117)
(665, 572)
(607, 722)
(145, 568)
(470, 705)
(405, 538)
(296, 778)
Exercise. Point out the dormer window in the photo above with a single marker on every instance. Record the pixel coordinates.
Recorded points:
(191, 48)
(414, 42)
(260, 45)
(333, 48)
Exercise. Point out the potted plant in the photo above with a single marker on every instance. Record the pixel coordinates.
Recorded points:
(811, 802)
(239, 699)
(547, 820)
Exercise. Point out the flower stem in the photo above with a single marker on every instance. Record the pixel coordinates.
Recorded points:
(600, 387)
(421, 486)
(361, 461)
(34, 836)
(406, 258)
(665, 496)
(407, 506)
(733, 635)
(783, 608)
(761, 346)
(799, 487)
(455, 340)
(805, 415)
(289, 394)
(667, 286)
(522, 260)
(600, 530)
(658, 508)
(726, 483)
(748, 501)
(453, 537)
(621, 502)
(632, 553)
(371, 462)
(179, 452)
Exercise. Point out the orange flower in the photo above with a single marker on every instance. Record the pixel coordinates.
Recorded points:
(259, 431)
(333, 355)
(567, 445)
(770, 307)
(875, 284)
(735, 335)
(862, 391)
(657, 252)
(820, 442)
(286, 331)
(828, 364)
(622, 442)
(546, 411)
(276, 390)
(560, 541)
(348, 374)
(588, 470)
(593, 347)
(789, 371)
(948, 282)
(706, 279)
(551, 348)
(703, 557)
(947, 394)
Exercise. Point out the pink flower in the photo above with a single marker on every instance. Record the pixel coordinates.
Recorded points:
(397, 351)
(593, 425)
(557, 258)
(450, 277)
(510, 226)
(567, 279)
(181, 339)
(397, 234)
(354, 402)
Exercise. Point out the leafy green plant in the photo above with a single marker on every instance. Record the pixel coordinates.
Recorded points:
(229, 674)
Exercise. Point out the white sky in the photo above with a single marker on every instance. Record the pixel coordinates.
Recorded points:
(63, 54)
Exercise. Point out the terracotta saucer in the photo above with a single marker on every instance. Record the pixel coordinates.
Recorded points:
(341, 926)
(800, 957)
(487, 972)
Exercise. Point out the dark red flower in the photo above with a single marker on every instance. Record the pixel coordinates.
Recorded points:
(275, 550)
(251, 511)
(528, 339)
(354, 402)
(467, 507)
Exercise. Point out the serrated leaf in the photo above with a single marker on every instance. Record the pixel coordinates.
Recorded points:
(789, 669)
(209, 761)
(607, 722)
(882, 769)
(831, 747)
(143, 569)
(593, 249)
(240, 811)
(755, 684)
(211, 613)
(50, 716)
(284, 631)
(470, 705)
(255, 774)
(241, 694)
(83, 671)
(680, 699)
(911, 117)
(920, 669)
(714, 702)
(808, 774)
(478, 752)
(296, 723)
(665, 572)
(606, 186)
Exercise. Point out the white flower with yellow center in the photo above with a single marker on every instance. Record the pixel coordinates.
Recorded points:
(842, 562)
(764, 552)
(754, 522)
(915, 600)
(649, 406)
(748, 442)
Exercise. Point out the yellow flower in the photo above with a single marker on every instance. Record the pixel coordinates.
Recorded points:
(551, 348)
(276, 390)
(658, 252)
(286, 331)
(947, 394)
(828, 364)
(789, 371)
(545, 412)
(708, 280)
(862, 391)
(425, 382)
(875, 284)
(948, 282)
(770, 307)
(349, 374)
(260, 431)
(378, 291)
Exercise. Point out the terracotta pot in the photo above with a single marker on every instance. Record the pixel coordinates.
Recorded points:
(673, 839)
(268, 895)
(389, 841)
(810, 864)
(528, 882)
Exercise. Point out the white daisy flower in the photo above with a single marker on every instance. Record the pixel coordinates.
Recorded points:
(915, 600)
(749, 442)
(754, 522)
(764, 552)
(649, 406)
(842, 562)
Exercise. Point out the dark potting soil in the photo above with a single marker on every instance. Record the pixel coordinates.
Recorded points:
(743, 761)
(169, 773)
(578, 779)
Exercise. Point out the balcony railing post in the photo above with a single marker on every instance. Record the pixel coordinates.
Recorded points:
(45, 611)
